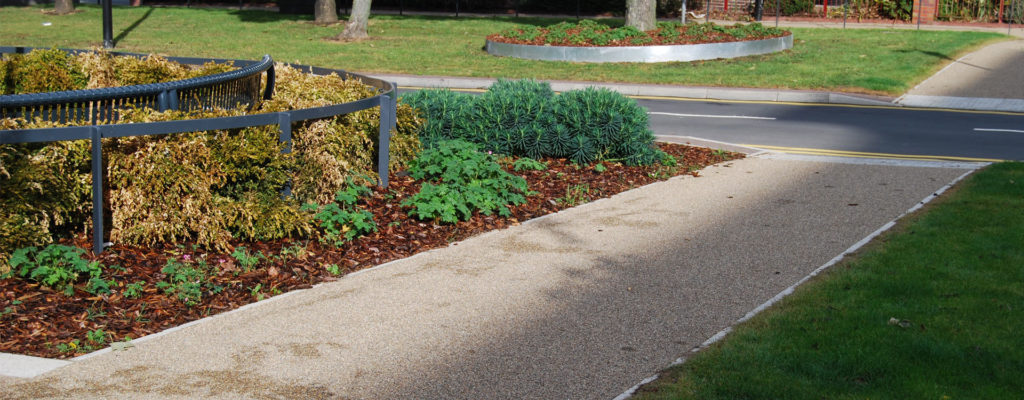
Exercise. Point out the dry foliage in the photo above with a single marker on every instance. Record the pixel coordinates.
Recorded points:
(207, 188)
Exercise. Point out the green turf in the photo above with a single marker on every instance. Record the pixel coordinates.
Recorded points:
(954, 276)
(869, 61)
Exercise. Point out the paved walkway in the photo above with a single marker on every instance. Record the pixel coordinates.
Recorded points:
(989, 79)
(581, 304)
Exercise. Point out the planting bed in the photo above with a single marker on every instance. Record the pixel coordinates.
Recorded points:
(589, 41)
(39, 321)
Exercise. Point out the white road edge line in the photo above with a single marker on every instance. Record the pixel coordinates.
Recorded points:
(786, 292)
(709, 116)
(998, 130)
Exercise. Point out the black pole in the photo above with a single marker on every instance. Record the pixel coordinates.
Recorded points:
(517, 8)
(758, 10)
(456, 8)
(919, 8)
(1009, 21)
(108, 26)
(401, 7)
(577, 10)
(845, 6)
(776, 13)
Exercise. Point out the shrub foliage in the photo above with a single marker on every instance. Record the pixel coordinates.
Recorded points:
(525, 118)
(211, 187)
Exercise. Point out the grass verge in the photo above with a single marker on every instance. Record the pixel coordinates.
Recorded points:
(932, 310)
(857, 60)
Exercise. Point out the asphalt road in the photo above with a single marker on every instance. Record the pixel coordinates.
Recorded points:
(895, 130)
(874, 131)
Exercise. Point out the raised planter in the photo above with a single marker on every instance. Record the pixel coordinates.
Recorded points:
(650, 54)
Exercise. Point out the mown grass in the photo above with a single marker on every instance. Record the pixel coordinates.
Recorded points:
(954, 276)
(869, 61)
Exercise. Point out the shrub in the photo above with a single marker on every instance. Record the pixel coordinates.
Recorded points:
(43, 71)
(44, 191)
(513, 117)
(205, 186)
(525, 118)
(460, 180)
(448, 115)
(58, 267)
(330, 150)
(603, 125)
(210, 187)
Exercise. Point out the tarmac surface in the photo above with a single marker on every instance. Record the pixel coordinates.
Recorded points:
(581, 304)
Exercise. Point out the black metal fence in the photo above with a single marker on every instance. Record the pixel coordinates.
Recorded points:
(225, 90)
(387, 100)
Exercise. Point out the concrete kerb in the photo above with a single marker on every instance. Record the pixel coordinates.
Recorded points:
(645, 90)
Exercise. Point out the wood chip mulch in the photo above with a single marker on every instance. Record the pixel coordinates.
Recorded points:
(37, 321)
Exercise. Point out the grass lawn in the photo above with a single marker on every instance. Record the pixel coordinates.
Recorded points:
(867, 61)
(954, 279)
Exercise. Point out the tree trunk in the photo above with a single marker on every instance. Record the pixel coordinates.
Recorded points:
(326, 12)
(64, 6)
(640, 14)
(357, 20)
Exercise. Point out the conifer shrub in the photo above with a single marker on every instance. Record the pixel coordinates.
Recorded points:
(43, 71)
(525, 118)
(44, 190)
(209, 187)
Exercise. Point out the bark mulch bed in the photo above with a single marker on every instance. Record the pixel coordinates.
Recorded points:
(38, 321)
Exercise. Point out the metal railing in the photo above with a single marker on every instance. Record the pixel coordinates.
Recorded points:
(225, 90)
(386, 99)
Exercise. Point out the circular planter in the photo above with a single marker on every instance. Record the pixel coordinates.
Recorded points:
(650, 54)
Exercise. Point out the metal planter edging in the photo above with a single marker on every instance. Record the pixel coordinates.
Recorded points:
(649, 54)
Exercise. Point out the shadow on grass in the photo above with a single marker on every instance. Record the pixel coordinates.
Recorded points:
(132, 27)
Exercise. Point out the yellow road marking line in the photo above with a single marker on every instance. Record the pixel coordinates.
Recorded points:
(861, 154)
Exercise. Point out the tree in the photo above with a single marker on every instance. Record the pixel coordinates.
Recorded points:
(326, 12)
(64, 7)
(640, 14)
(357, 20)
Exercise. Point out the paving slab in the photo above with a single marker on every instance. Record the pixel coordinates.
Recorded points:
(580, 304)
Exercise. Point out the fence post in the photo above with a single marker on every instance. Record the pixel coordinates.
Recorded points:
(97, 190)
(284, 122)
(163, 101)
(387, 112)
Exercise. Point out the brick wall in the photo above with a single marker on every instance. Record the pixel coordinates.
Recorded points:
(925, 10)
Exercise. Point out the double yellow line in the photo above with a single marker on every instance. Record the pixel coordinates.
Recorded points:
(861, 154)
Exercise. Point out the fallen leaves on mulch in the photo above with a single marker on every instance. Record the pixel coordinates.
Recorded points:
(36, 320)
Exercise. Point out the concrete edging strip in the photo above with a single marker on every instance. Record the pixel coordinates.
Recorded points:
(646, 54)
(789, 290)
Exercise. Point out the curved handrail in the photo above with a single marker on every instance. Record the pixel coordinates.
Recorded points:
(386, 99)
(149, 89)
(240, 86)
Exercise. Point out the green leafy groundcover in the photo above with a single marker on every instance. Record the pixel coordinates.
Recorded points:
(593, 33)
(210, 187)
